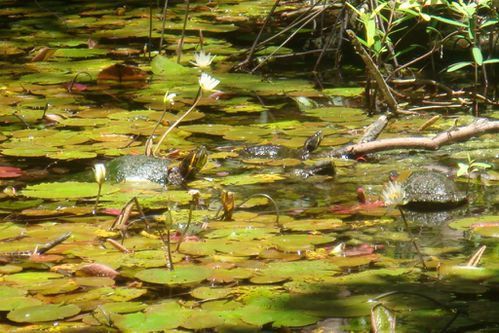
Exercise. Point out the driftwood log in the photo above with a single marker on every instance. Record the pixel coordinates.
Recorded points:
(479, 127)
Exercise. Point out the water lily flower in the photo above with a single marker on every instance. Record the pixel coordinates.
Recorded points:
(100, 173)
(394, 194)
(169, 98)
(202, 60)
(208, 83)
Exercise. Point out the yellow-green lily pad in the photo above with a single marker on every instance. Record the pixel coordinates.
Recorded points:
(181, 276)
(45, 312)
(66, 190)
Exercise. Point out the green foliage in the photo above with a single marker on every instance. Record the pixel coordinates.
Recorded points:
(466, 169)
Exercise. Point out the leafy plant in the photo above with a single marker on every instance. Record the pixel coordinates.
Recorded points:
(467, 169)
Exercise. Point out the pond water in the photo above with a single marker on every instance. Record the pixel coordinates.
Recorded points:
(314, 259)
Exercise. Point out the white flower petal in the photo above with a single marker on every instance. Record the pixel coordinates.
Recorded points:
(202, 60)
(394, 194)
(100, 173)
(208, 83)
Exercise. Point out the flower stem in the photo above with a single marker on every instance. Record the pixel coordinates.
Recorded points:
(413, 240)
(196, 101)
(97, 199)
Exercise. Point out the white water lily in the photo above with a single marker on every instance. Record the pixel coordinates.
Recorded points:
(202, 60)
(169, 98)
(100, 173)
(208, 83)
(394, 194)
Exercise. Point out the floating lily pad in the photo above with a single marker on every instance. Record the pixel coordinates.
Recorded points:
(338, 114)
(158, 317)
(345, 92)
(66, 190)
(181, 276)
(45, 312)
(291, 243)
(466, 223)
(210, 293)
(10, 303)
(313, 224)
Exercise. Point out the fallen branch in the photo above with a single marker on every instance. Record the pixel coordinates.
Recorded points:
(479, 127)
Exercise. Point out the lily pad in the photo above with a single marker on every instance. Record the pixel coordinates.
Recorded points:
(181, 276)
(45, 312)
(291, 243)
(66, 190)
(466, 223)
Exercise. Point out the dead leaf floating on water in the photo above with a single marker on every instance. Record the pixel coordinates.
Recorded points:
(43, 54)
(98, 270)
(10, 172)
(122, 72)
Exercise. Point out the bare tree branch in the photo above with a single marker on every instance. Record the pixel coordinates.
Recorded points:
(479, 127)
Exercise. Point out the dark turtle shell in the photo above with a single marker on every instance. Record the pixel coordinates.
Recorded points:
(432, 190)
(276, 152)
(140, 167)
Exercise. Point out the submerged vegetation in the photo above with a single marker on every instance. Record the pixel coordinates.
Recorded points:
(248, 166)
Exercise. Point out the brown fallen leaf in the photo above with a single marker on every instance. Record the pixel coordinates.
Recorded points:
(43, 54)
(122, 72)
(97, 270)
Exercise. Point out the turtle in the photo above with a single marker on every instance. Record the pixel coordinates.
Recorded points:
(276, 151)
(431, 190)
(157, 170)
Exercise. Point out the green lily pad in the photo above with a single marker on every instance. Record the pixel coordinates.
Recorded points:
(210, 293)
(159, 317)
(313, 224)
(242, 233)
(181, 276)
(17, 302)
(161, 65)
(292, 243)
(45, 312)
(345, 92)
(66, 190)
(338, 114)
(123, 307)
(466, 223)
(71, 155)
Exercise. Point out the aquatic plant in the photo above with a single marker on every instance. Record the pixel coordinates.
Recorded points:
(207, 84)
(202, 59)
(100, 178)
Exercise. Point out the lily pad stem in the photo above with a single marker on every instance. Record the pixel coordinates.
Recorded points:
(184, 231)
(196, 101)
(276, 207)
(167, 242)
(181, 41)
(150, 139)
(413, 241)
(163, 23)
